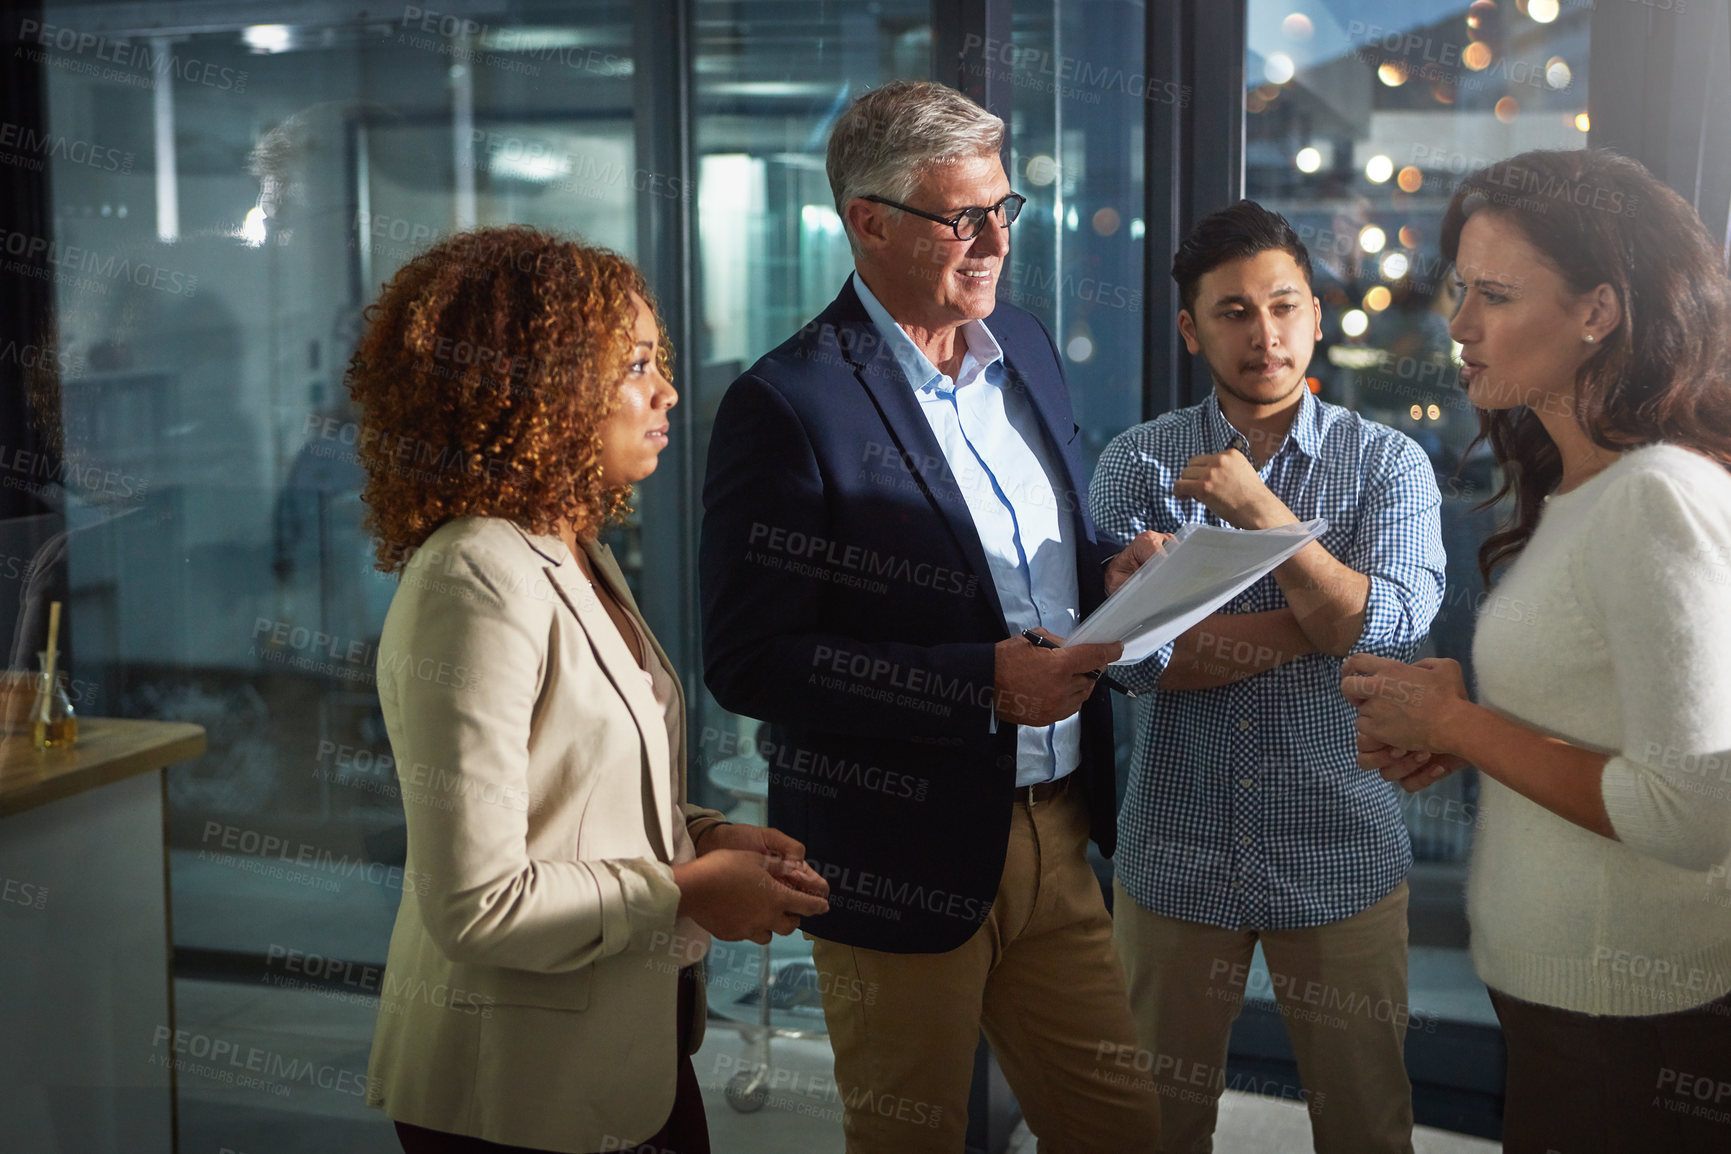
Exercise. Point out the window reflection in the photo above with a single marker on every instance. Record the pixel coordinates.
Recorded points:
(225, 202)
(770, 79)
(1360, 119)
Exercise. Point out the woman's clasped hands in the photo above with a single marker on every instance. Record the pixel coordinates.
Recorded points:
(749, 882)
(1406, 714)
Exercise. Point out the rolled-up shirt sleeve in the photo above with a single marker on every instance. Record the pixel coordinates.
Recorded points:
(1398, 547)
(1664, 605)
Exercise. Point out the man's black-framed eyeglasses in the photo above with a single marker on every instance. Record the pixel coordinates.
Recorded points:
(967, 223)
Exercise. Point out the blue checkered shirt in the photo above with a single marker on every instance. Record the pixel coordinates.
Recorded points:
(1246, 807)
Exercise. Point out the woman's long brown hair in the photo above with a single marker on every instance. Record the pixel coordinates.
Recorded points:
(1662, 374)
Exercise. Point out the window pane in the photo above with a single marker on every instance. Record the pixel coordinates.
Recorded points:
(1077, 115)
(270, 175)
(1360, 119)
(771, 78)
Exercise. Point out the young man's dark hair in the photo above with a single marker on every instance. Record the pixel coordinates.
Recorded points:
(1234, 233)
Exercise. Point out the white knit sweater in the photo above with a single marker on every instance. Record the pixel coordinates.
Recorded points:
(1613, 631)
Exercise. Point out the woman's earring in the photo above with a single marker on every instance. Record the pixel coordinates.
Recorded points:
(1589, 338)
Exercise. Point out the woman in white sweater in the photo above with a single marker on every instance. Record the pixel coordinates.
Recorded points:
(1594, 334)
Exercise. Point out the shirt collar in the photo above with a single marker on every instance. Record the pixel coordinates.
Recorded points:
(1305, 434)
(924, 376)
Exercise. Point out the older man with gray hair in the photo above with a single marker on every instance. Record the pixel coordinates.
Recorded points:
(896, 529)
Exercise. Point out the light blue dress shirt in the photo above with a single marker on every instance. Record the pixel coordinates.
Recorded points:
(991, 438)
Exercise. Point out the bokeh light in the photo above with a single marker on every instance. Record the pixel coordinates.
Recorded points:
(1372, 239)
(1482, 17)
(1410, 237)
(1410, 179)
(1105, 221)
(1478, 56)
(1544, 11)
(1583, 122)
(1354, 322)
(1395, 265)
(1558, 74)
(1507, 109)
(1392, 74)
(1279, 68)
(1378, 298)
(1308, 160)
(1378, 169)
(1298, 27)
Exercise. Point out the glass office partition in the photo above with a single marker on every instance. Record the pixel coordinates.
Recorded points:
(770, 78)
(229, 184)
(260, 171)
(1080, 98)
(1359, 121)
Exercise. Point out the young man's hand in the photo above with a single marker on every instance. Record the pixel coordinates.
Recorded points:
(1228, 486)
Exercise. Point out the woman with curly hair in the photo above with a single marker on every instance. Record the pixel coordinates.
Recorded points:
(539, 993)
(1595, 334)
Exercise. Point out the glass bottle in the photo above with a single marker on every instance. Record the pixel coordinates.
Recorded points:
(57, 728)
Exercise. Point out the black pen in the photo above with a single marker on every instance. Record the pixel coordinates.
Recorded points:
(1099, 675)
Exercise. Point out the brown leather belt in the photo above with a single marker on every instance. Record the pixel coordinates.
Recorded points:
(1033, 795)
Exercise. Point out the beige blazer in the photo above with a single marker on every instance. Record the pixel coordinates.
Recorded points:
(530, 993)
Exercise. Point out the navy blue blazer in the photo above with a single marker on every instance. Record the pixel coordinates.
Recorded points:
(847, 602)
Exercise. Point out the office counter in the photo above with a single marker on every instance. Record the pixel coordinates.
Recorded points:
(86, 939)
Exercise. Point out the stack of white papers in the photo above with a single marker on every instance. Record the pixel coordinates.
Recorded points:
(1198, 573)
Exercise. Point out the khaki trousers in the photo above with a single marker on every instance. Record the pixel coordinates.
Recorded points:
(1040, 978)
(1340, 987)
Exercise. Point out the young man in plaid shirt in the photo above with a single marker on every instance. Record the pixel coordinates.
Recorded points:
(1247, 818)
